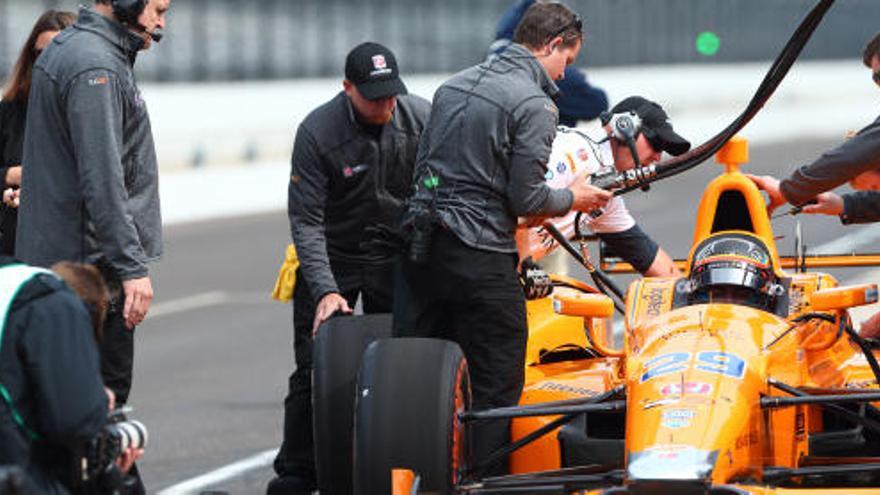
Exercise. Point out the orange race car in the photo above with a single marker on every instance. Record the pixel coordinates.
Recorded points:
(740, 377)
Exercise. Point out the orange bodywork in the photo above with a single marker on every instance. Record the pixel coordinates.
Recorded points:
(694, 374)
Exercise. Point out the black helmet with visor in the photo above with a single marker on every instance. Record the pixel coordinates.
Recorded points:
(733, 268)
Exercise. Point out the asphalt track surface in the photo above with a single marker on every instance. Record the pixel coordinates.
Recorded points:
(212, 359)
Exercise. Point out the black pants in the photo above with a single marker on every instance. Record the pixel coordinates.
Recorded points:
(8, 222)
(374, 283)
(117, 344)
(117, 358)
(474, 298)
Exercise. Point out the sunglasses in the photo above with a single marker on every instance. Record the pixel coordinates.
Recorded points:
(576, 25)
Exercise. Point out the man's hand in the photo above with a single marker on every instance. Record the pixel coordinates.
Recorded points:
(769, 185)
(826, 204)
(327, 306)
(111, 399)
(138, 296)
(586, 197)
(871, 327)
(12, 197)
(127, 458)
(13, 176)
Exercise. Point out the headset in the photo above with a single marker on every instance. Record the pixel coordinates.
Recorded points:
(625, 127)
(128, 11)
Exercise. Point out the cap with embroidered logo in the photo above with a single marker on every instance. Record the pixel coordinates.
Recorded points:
(372, 68)
(655, 124)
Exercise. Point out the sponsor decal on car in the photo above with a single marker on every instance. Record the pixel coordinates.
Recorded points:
(561, 387)
(677, 418)
(716, 362)
(696, 388)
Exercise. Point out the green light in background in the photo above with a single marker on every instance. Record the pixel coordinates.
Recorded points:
(708, 43)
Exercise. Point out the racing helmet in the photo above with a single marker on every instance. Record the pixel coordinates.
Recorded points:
(733, 268)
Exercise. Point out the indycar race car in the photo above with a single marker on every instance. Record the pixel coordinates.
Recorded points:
(738, 378)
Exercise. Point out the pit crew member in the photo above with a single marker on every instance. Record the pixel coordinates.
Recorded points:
(575, 151)
(857, 155)
(481, 164)
(352, 166)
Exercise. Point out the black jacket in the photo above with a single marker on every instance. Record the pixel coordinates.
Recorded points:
(344, 180)
(51, 372)
(12, 120)
(488, 142)
(861, 207)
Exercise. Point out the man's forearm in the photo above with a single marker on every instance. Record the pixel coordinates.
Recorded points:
(311, 248)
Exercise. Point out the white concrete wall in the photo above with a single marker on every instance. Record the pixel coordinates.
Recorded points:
(233, 123)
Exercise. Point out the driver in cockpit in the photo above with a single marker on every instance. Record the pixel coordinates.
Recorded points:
(733, 268)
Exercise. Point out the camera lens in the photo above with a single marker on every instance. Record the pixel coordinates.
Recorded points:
(131, 434)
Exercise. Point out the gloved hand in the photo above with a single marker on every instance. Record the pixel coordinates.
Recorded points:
(534, 280)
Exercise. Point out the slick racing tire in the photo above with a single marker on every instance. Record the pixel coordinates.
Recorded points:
(339, 345)
(410, 394)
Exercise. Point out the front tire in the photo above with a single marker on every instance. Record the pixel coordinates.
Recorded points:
(410, 394)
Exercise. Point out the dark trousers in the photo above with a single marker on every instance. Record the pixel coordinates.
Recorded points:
(474, 298)
(8, 222)
(117, 342)
(374, 284)
(117, 358)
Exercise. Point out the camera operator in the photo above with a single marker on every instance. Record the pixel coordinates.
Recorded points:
(53, 401)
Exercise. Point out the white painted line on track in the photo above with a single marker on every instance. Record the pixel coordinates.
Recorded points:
(189, 303)
(222, 474)
(205, 300)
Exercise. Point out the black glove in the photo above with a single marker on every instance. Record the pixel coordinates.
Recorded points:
(534, 280)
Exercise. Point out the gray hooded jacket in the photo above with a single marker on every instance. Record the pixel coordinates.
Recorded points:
(90, 189)
(487, 145)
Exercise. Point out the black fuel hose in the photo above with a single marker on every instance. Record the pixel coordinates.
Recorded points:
(772, 79)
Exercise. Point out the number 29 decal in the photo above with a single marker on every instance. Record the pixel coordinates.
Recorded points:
(718, 362)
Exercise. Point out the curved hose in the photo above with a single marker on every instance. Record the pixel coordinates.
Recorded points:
(772, 79)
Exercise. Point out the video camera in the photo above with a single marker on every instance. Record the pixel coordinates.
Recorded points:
(94, 466)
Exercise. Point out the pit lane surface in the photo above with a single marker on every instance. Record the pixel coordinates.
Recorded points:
(213, 357)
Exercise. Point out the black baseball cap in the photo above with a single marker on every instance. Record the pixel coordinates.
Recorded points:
(655, 125)
(372, 68)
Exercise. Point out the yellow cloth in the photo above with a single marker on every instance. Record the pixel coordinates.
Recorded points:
(286, 276)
